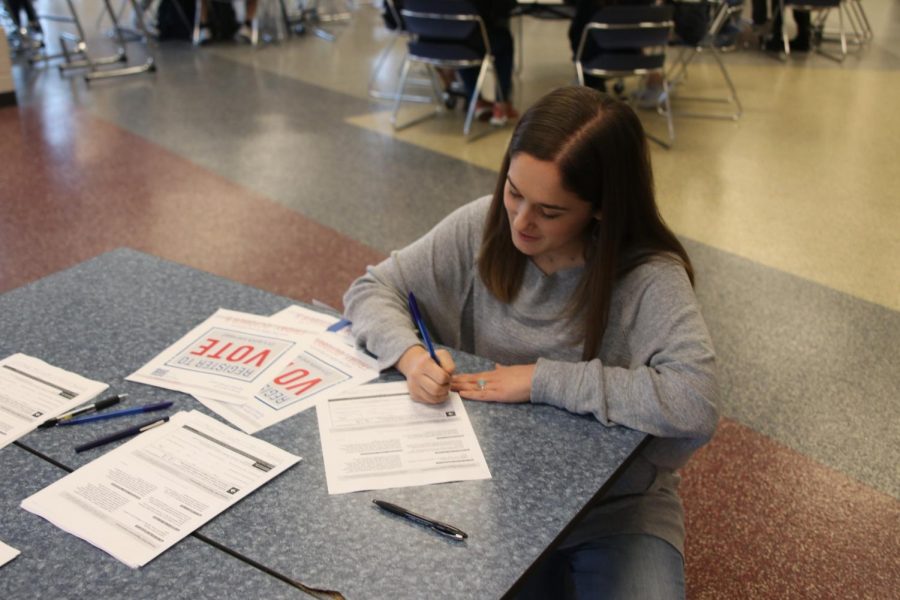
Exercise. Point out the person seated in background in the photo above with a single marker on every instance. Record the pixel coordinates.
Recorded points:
(33, 27)
(495, 14)
(245, 33)
(775, 43)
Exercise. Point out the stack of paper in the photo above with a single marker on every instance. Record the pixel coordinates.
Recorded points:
(146, 495)
(256, 371)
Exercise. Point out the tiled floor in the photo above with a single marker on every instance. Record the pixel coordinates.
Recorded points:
(273, 167)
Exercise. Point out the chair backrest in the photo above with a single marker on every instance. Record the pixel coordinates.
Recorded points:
(450, 20)
(631, 27)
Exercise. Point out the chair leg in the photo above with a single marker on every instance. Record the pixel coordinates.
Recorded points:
(579, 73)
(401, 86)
(784, 35)
(195, 35)
(382, 58)
(667, 101)
(470, 114)
(731, 89)
(864, 19)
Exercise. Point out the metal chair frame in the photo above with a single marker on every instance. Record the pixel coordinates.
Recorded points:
(856, 18)
(149, 64)
(665, 108)
(859, 36)
(485, 62)
(678, 72)
(75, 57)
(255, 36)
(396, 34)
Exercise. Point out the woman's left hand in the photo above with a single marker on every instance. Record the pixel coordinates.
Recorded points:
(503, 384)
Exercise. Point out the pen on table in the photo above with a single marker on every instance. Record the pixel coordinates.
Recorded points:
(119, 413)
(96, 406)
(121, 435)
(420, 323)
(447, 530)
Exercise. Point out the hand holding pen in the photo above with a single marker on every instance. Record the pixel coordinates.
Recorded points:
(427, 370)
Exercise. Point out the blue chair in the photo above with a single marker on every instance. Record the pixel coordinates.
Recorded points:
(721, 13)
(630, 41)
(440, 31)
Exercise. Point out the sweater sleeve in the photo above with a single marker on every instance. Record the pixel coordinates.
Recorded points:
(668, 389)
(437, 268)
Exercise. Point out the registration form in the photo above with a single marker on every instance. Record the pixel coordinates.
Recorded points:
(324, 367)
(377, 437)
(32, 391)
(226, 357)
(146, 495)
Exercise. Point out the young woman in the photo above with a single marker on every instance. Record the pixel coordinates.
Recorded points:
(569, 280)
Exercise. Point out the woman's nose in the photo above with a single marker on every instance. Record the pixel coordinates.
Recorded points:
(522, 218)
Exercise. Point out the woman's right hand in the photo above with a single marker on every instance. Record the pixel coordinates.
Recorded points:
(428, 381)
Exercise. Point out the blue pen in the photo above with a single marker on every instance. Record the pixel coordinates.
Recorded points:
(118, 413)
(121, 435)
(420, 323)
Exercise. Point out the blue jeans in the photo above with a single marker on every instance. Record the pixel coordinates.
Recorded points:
(618, 567)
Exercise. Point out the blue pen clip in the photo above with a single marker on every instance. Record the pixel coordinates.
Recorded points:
(338, 326)
(420, 323)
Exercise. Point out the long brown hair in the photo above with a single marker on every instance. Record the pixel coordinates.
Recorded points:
(601, 151)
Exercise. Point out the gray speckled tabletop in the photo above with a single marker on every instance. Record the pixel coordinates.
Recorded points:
(54, 564)
(107, 317)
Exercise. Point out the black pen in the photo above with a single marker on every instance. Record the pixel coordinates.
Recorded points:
(121, 435)
(448, 530)
(99, 405)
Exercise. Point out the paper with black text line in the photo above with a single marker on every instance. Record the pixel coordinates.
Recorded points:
(32, 391)
(323, 368)
(226, 357)
(7, 553)
(377, 437)
(142, 498)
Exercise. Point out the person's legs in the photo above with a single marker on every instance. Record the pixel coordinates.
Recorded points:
(618, 567)
(632, 567)
(245, 32)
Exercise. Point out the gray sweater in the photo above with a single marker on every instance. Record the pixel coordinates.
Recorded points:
(655, 371)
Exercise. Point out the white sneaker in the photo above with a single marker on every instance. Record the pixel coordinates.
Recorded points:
(649, 97)
(245, 34)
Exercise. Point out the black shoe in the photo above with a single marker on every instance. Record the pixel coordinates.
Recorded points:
(774, 44)
(800, 44)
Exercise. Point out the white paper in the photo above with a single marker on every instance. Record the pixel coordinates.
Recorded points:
(140, 499)
(7, 553)
(378, 437)
(227, 357)
(314, 322)
(32, 391)
(323, 368)
(305, 318)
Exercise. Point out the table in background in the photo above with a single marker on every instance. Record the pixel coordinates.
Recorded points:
(109, 316)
